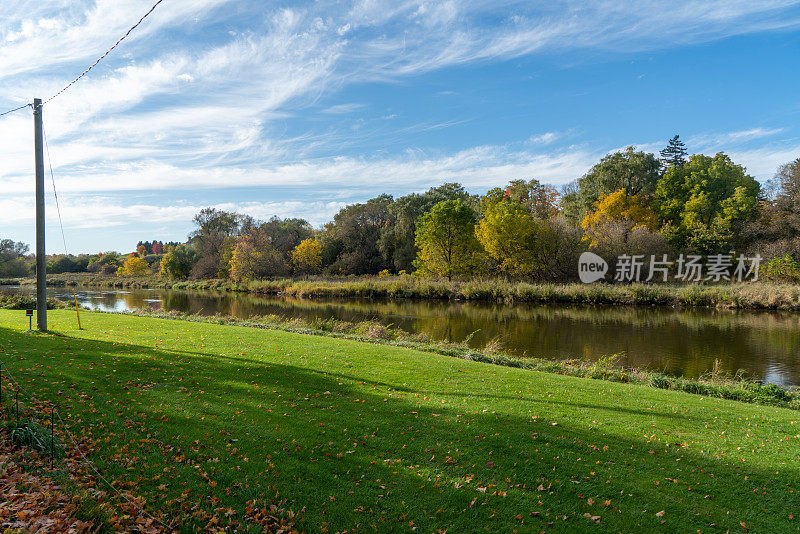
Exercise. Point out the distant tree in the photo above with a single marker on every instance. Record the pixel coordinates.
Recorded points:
(214, 239)
(397, 240)
(105, 263)
(12, 262)
(10, 249)
(64, 264)
(307, 257)
(507, 231)
(285, 234)
(674, 155)
(255, 257)
(133, 266)
(355, 234)
(620, 210)
(141, 250)
(634, 171)
(446, 239)
(539, 200)
(782, 210)
(158, 248)
(178, 262)
(706, 203)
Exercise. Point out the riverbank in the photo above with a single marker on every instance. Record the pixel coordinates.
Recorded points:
(715, 383)
(753, 295)
(200, 420)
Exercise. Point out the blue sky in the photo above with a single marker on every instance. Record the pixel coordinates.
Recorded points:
(298, 108)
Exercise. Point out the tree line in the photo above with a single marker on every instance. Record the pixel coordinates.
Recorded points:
(630, 202)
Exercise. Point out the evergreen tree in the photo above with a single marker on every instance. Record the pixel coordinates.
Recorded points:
(674, 155)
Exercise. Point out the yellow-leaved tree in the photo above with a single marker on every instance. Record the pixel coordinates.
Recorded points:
(618, 209)
(507, 232)
(133, 266)
(307, 257)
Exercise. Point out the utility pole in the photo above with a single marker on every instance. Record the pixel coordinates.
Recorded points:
(41, 275)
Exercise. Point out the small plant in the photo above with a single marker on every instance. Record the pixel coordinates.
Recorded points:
(30, 435)
(660, 381)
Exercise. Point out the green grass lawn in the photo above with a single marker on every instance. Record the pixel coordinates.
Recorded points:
(364, 437)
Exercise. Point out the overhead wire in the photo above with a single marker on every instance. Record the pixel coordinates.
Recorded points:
(15, 109)
(93, 65)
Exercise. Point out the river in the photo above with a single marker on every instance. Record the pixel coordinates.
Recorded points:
(678, 341)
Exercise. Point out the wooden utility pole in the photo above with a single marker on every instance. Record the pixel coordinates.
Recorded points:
(41, 275)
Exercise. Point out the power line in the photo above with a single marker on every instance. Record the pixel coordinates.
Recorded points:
(55, 193)
(15, 109)
(90, 67)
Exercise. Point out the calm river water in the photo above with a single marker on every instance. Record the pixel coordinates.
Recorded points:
(766, 344)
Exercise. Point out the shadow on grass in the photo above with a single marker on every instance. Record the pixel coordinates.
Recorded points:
(359, 453)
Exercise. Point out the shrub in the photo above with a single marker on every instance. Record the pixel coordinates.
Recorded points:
(785, 269)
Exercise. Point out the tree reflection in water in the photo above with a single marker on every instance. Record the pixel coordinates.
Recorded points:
(766, 344)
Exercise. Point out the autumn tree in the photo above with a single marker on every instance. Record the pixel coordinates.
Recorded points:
(254, 256)
(158, 248)
(507, 231)
(133, 266)
(634, 171)
(178, 262)
(621, 211)
(446, 240)
(538, 199)
(307, 257)
(782, 209)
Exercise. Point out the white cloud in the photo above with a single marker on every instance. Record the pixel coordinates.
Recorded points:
(725, 140)
(102, 212)
(180, 106)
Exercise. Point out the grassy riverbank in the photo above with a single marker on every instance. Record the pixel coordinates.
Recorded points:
(754, 295)
(201, 419)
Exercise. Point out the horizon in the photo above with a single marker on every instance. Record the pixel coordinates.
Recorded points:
(297, 112)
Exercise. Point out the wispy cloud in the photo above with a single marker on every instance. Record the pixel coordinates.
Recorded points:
(202, 95)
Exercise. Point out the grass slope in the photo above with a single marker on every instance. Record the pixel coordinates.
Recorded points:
(364, 437)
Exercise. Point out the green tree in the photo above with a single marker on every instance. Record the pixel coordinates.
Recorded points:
(634, 171)
(12, 261)
(214, 239)
(178, 262)
(706, 203)
(354, 236)
(397, 241)
(674, 155)
(446, 239)
(105, 263)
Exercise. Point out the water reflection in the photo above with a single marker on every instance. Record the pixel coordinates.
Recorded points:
(767, 344)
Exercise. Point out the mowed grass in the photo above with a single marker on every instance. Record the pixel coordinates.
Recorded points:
(371, 438)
